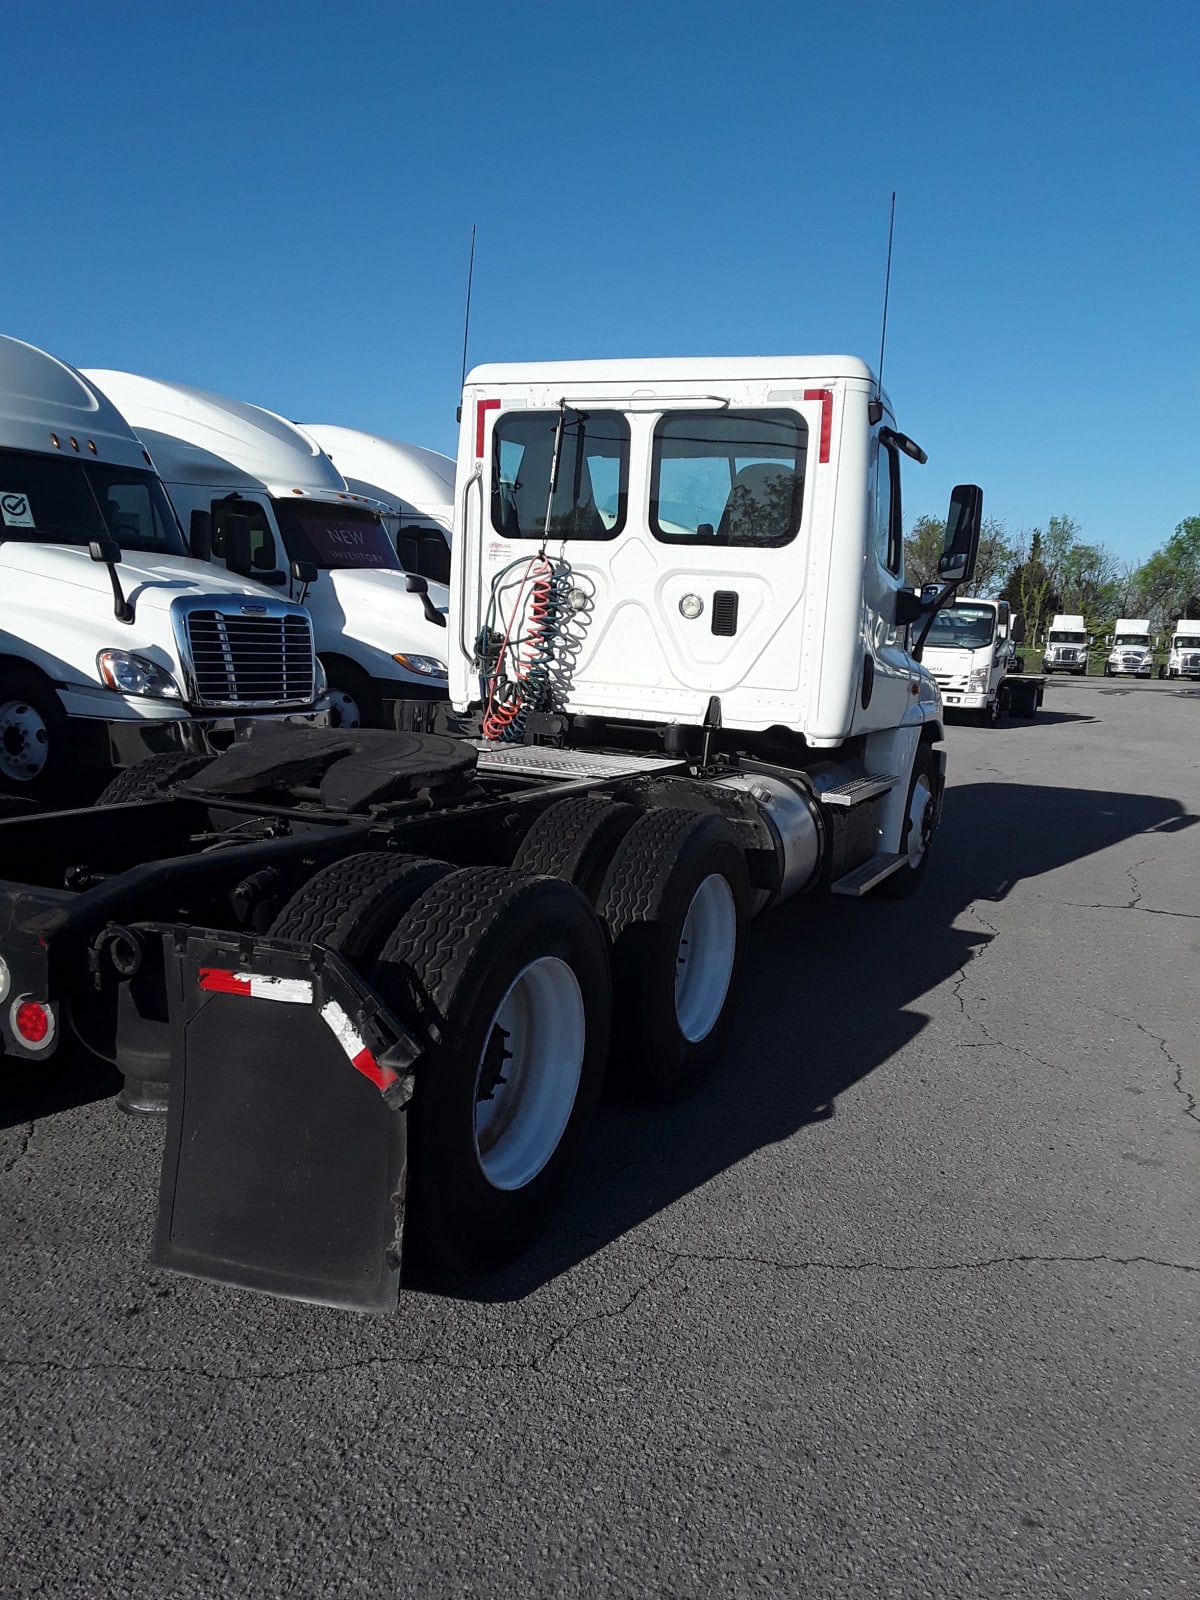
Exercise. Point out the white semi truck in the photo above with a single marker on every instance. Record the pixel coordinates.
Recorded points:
(972, 652)
(114, 644)
(415, 483)
(1066, 646)
(383, 973)
(380, 632)
(1184, 658)
(1132, 653)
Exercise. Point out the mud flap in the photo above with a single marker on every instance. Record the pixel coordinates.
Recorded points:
(284, 1166)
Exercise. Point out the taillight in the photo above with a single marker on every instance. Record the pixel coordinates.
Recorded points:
(33, 1022)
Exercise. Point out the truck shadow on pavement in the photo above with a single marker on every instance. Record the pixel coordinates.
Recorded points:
(822, 1005)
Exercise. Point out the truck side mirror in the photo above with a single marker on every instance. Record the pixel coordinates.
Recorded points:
(415, 583)
(239, 557)
(200, 535)
(1018, 630)
(304, 572)
(964, 520)
(107, 551)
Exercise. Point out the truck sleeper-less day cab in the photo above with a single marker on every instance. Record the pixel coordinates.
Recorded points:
(114, 643)
(1132, 653)
(1184, 659)
(682, 660)
(416, 484)
(380, 631)
(971, 651)
(1066, 646)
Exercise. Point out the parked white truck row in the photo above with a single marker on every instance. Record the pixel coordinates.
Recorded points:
(122, 636)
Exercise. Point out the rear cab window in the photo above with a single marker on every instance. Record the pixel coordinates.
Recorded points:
(591, 497)
(728, 478)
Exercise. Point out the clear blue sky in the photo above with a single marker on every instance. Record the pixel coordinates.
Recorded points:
(274, 200)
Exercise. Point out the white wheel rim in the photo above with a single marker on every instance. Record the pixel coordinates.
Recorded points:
(527, 1079)
(24, 742)
(704, 964)
(920, 820)
(345, 708)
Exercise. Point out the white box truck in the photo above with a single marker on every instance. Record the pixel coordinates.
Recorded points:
(114, 643)
(380, 632)
(1184, 658)
(417, 484)
(1066, 646)
(1132, 652)
(683, 658)
(972, 652)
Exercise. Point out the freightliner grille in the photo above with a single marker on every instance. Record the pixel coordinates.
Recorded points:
(250, 661)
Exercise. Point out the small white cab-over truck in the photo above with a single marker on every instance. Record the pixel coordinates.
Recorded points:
(378, 976)
(971, 650)
(114, 643)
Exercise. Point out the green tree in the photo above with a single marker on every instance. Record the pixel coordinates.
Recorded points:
(923, 545)
(1169, 582)
(1030, 589)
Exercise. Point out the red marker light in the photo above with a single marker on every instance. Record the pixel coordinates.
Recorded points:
(32, 1022)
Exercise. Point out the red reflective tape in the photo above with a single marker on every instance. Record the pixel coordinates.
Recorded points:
(481, 411)
(825, 396)
(217, 980)
(381, 1077)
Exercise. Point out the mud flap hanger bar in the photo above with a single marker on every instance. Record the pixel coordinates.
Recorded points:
(372, 1039)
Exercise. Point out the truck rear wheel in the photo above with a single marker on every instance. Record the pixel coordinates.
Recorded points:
(507, 978)
(152, 778)
(353, 905)
(676, 904)
(920, 824)
(576, 839)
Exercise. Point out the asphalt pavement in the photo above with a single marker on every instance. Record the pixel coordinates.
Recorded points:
(903, 1303)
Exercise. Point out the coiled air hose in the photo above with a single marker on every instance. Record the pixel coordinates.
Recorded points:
(519, 646)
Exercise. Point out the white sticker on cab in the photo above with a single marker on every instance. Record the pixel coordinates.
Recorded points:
(15, 510)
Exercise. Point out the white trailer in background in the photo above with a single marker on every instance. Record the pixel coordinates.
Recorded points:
(380, 632)
(415, 483)
(1132, 653)
(115, 643)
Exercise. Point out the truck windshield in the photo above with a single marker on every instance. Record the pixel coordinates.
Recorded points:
(962, 628)
(593, 474)
(60, 500)
(1186, 641)
(731, 478)
(1060, 636)
(332, 536)
(1132, 638)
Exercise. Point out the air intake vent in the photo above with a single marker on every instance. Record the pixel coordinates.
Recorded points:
(251, 661)
(724, 613)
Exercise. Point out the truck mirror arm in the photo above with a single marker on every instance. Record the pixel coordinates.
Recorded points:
(929, 609)
(108, 551)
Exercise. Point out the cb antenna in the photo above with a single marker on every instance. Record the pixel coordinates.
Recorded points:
(467, 317)
(876, 409)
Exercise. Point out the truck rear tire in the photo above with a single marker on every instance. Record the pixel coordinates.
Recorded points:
(576, 839)
(675, 901)
(152, 778)
(507, 978)
(353, 905)
(920, 824)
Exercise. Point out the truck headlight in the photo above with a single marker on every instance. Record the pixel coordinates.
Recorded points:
(978, 681)
(320, 679)
(427, 666)
(132, 674)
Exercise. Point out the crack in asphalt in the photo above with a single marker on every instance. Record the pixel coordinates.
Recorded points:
(990, 1041)
(1190, 1109)
(1136, 902)
(902, 1268)
(1145, 911)
(427, 1356)
(26, 1141)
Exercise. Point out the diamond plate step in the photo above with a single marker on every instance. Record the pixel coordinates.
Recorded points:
(857, 790)
(871, 872)
(543, 761)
